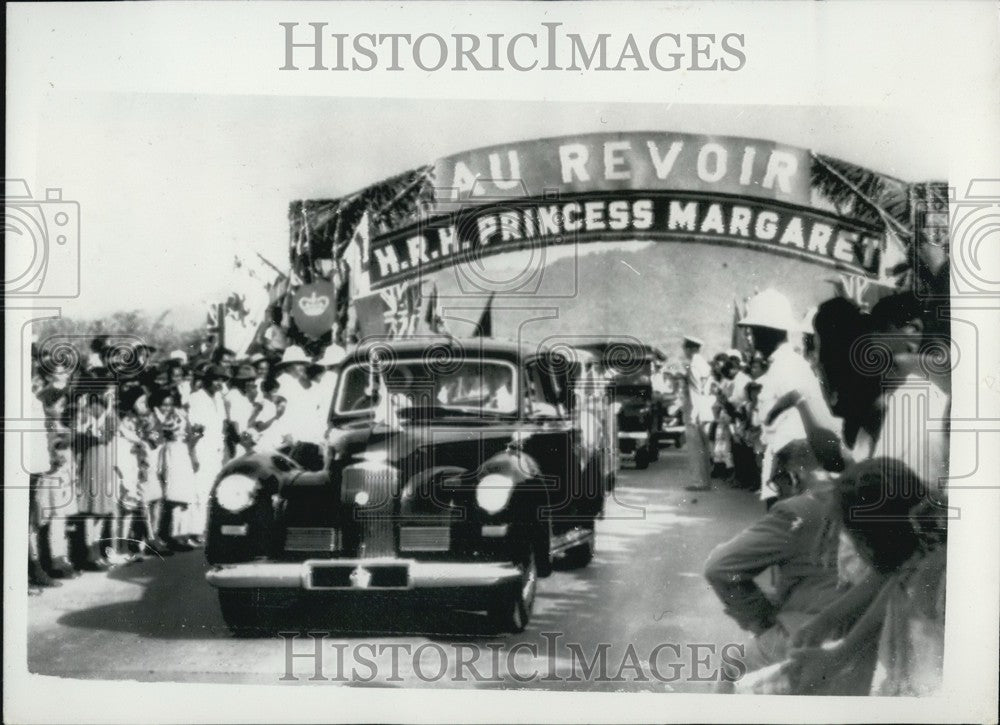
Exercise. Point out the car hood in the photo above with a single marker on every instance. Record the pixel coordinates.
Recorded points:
(418, 446)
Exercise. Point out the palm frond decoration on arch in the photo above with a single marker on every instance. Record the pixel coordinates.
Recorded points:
(860, 193)
(322, 228)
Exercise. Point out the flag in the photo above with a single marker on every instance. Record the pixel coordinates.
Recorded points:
(432, 313)
(738, 338)
(356, 256)
(398, 311)
(484, 328)
(246, 307)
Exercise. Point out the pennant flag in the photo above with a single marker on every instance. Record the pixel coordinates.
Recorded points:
(737, 338)
(484, 328)
(432, 315)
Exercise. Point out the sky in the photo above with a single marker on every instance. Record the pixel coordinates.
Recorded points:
(172, 187)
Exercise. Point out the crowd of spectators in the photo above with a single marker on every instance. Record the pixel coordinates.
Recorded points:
(134, 439)
(838, 420)
(842, 426)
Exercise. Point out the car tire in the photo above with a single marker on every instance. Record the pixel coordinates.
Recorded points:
(580, 556)
(245, 612)
(641, 459)
(512, 609)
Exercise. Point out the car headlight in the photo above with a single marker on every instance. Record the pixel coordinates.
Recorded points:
(494, 492)
(236, 493)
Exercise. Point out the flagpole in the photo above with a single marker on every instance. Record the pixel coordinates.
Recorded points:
(270, 264)
(222, 325)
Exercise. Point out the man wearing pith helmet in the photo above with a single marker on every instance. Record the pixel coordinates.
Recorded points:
(771, 327)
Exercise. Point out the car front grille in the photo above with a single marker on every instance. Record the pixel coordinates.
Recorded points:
(313, 539)
(424, 538)
(371, 489)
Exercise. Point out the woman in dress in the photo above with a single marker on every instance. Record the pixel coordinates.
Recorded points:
(133, 531)
(97, 495)
(175, 469)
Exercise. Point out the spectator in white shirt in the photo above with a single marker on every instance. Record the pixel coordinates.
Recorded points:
(915, 408)
(240, 404)
(207, 416)
(299, 420)
(700, 402)
(771, 325)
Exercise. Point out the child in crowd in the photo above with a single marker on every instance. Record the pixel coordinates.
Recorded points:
(130, 458)
(57, 504)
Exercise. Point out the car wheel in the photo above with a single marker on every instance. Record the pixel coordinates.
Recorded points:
(579, 556)
(246, 613)
(641, 459)
(512, 609)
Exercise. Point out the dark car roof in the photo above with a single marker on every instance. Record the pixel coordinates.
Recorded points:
(615, 348)
(470, 347)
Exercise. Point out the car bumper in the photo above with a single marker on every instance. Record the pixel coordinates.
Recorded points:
(640, 435)
(421, 575)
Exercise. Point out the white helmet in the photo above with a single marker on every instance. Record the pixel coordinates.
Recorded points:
(294, 355)
(772, 309)
(333, 354)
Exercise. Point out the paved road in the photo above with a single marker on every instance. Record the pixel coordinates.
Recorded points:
(642, 605)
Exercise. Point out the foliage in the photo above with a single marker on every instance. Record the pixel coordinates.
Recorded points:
(322, 228)
(126, 326)
(834, 179)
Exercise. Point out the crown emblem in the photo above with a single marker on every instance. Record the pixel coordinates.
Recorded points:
(361, 578)
(314, 305)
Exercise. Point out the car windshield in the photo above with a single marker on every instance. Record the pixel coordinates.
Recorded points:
(466, 388)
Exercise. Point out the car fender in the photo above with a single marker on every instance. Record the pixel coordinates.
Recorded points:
(530, 501)
(424, 489)
(274, 470)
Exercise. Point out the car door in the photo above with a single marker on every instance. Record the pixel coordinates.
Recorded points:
(554, 443)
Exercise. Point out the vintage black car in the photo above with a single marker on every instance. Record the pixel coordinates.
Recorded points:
(630, 366)
(455, 468)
